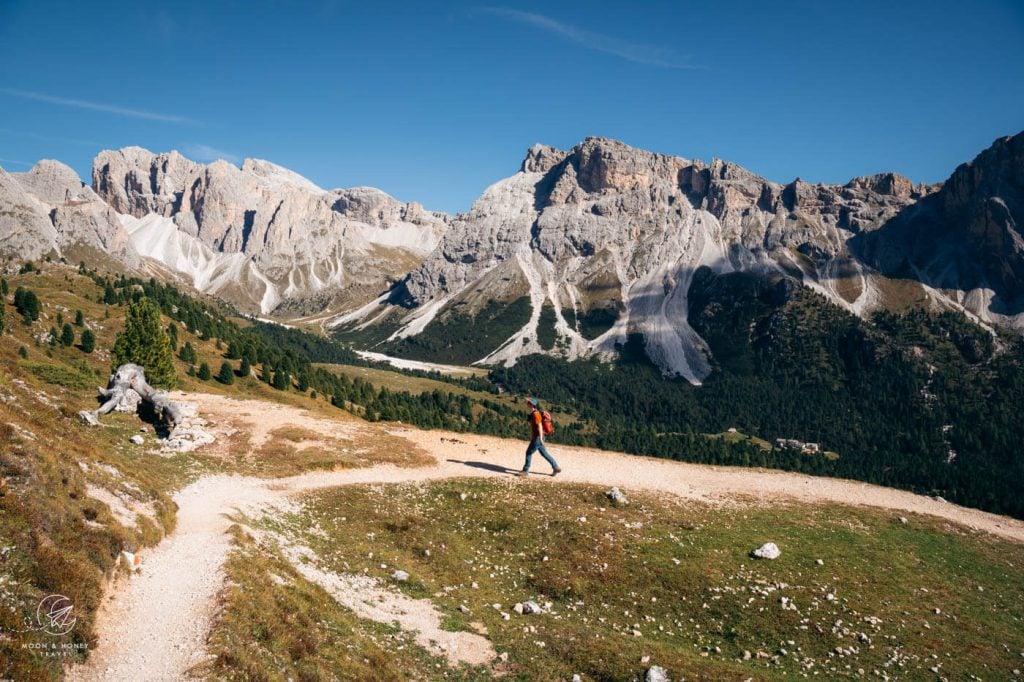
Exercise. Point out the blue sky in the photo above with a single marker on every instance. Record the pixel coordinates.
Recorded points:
(434, 101)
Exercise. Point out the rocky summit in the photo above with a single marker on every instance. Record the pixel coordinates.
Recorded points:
(603, 241)
(572, 255)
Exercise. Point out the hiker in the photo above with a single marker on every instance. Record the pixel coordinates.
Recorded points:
(540, 423)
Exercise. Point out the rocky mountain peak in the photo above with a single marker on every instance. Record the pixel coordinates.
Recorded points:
(278, 175)
(54, 182)
(603, 164)
(540, 158)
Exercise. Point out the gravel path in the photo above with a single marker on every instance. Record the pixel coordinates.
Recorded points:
(153, 626)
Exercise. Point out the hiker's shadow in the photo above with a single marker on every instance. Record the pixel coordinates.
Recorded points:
(497, 468)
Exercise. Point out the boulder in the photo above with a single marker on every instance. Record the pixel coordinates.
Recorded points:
(768, 550)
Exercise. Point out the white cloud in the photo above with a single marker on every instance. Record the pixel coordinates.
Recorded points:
(98, 106)
(651, 55)
(206, 153)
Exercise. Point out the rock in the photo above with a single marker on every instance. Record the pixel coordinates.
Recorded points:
(616, 496)
(137, 439)
(132, 561)
(577, 678)
(656, 674)
(902, 520)
(463, 608)
(819, 562)
(303, 245)
(531, 607)
(518, 608)
(768, 550)
(400, 576)
(89, 417)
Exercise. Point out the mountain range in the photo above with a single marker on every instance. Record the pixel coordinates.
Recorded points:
(570, 256)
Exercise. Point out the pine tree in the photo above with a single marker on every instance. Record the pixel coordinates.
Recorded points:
(187, 353)
(172, 335)
(109, 295)
(281, 379)
(88, 341)
(23, 352)
(226, 375)
(3, 286)
(144, 342)
(245, 369)
(204, 372)
(67, 335)
(79, 319)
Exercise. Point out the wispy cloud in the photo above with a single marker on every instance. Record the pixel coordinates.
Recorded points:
(638, 53)
(50, 138)
(98, 106)
(204, 152)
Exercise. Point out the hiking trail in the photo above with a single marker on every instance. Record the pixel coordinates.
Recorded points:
(153, 626)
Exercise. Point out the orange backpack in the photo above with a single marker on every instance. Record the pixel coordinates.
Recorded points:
(547, 424)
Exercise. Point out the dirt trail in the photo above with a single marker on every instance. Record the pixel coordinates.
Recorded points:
(153, 626)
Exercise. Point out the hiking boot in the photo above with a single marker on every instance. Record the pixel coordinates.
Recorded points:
(556, 471)
(522, 474)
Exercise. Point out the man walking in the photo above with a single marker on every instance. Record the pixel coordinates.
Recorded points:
(536, 420)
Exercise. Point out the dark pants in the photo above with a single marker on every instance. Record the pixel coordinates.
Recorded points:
(535, 445)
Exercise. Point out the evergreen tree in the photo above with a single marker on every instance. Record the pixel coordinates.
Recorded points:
(109, 295)
(204, 372)
(303, 382)
(23, 352)
(67, 335)
(281, 379)
(245, 369)
(88, 341)
(172, 335)
(3, 286)
(79, 319)
(144, 342)
(226, 375)
(187, 353)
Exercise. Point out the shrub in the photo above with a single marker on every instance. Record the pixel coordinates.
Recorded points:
(204, 372)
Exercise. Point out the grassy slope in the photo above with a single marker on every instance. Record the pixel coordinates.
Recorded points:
(54, 537)
(668, 580)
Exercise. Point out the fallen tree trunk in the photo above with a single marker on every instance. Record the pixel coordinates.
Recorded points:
(125, 389)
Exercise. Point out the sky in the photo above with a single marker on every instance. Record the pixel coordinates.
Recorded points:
(433, 102)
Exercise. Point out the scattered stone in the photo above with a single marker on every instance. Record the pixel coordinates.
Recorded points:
(656, 674)
(400, 576)
(89, 417)
(132, 560)
(746, 655)
(518, 608)
(616, 496)
(768, 550)
(463, 608)
(137, 439)
(531, 607)
(577, 678)
(819, 562)
(903, 520)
